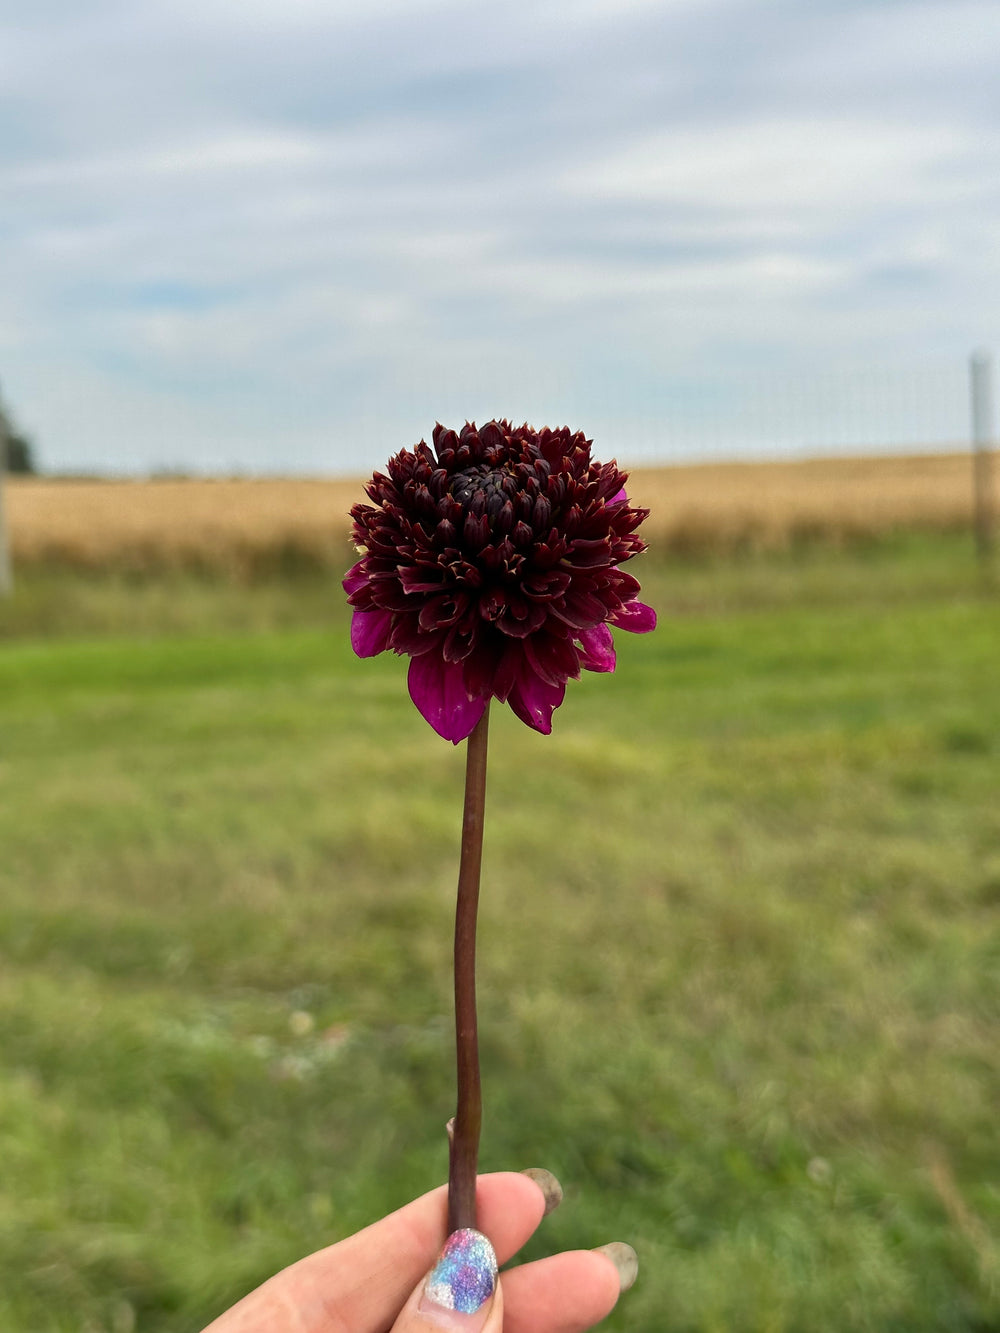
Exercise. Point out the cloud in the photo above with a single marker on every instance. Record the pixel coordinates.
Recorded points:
(796, 172)
(283, 230)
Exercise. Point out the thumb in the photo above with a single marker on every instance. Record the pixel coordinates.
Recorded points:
(461, 1293)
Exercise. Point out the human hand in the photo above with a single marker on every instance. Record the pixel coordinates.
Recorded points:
(394, 1270)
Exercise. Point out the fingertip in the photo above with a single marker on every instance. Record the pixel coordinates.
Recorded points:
(552, 1191)
(509, 1207)
(575, 1289)
(624, 1260)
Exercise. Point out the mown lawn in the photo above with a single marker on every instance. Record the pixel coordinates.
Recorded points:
(739, 959)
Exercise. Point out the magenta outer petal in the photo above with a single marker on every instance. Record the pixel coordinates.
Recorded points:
(438, 689)
(635, 616)
(616, 499)
(534, 701)
(370, 632)
(598, 649)
(354, 578)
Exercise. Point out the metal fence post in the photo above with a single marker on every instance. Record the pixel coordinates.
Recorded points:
(983, 440)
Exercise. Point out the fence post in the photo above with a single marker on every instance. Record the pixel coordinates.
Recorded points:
(983, 439)
(6, 578)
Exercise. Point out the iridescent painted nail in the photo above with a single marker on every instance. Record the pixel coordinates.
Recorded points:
(463, 1279)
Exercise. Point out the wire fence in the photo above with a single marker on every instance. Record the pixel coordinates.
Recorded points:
(920, 441)
(834, 412)
(715, 416)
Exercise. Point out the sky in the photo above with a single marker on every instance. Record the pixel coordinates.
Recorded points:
(289, 235)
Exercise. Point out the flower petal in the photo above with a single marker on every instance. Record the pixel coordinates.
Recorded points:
(407, 636)
(534, 701)
(355, 578)
(635, 616)
(507, 668)
(370, 632)
(480, 669)
(438, 689)
(552, 658)
(597, 649)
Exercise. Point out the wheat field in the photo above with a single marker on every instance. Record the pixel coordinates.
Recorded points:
(252, 525)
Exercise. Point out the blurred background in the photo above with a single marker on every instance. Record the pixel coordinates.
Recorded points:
(740, 949)
(284, 237)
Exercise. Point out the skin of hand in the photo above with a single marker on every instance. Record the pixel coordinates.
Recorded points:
(374, 1281)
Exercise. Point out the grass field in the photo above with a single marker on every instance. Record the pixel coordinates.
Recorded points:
(740, 964)
(252, 527)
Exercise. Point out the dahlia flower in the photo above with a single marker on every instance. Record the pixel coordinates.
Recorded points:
(492, 558)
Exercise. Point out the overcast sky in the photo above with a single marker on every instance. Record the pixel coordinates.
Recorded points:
(289, 234)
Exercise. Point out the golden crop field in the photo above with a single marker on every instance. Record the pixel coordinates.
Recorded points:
(252, 525)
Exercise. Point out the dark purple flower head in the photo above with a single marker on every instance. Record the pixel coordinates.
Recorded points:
(492, 559)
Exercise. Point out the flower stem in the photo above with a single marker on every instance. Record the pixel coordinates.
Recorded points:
(463, 1153)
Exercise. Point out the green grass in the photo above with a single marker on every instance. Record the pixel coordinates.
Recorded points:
(740, 964)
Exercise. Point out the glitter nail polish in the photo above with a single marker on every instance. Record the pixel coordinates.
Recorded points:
(464, 1277)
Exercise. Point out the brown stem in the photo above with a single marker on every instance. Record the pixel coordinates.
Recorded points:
(463, 1152)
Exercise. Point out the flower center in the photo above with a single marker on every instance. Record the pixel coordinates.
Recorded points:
(484, 489)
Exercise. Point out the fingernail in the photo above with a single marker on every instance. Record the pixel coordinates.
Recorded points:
(624, 1259)
(549, 1186)
(462, 1282)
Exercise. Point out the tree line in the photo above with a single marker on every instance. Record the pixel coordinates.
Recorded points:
(20, 450)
